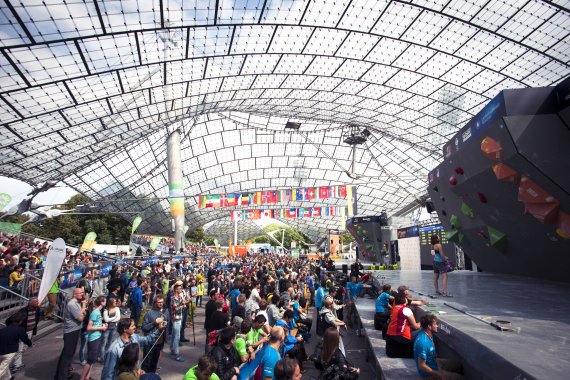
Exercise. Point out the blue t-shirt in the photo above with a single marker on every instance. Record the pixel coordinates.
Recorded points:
(310, 282)
(424, 348)
(382, 302)
(270, 358)
(320, 297)
(296, 311)
(233, 297)
(353, 290)
(97, 319)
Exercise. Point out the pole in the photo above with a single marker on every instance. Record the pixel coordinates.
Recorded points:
(235, 232)
(176, 186)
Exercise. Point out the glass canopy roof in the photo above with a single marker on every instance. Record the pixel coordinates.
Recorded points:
(89, 91)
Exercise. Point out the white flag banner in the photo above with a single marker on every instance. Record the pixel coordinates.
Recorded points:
(53, 264)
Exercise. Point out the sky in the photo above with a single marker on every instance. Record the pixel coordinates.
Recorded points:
(18, 190)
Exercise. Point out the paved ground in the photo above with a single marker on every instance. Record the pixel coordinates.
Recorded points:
(41, 360)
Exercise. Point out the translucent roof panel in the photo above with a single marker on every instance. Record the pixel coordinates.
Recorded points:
(91, 90)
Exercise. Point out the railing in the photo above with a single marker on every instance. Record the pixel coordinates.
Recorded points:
(10, 300)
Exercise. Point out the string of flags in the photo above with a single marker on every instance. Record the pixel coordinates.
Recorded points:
(288, 213)
(273, 196)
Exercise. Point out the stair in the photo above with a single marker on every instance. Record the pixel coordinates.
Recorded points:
(47, 327)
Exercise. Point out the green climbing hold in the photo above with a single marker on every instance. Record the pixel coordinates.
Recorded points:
(455, 236)
(467, 211)
(455, 222)
(497, 238)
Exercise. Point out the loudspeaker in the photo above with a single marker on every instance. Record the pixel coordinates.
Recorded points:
(345, 268)
(430, 207)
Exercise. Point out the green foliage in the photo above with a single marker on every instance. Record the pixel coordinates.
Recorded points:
(347, 238)
(209, 240)
(262, 239)
(110, 229)
(196, 235)
(290, 235)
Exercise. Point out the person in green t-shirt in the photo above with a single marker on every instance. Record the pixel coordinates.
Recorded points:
(242, 344)
(204, 370)
(52, 299)
(257, 336)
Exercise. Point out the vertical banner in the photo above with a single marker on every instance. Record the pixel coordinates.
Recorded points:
(89, 242)
(154, 242)
(176, 195)
(4, 200)
(136, 223)
(54, 260)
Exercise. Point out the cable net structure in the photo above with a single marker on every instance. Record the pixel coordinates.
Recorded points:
(90, 90)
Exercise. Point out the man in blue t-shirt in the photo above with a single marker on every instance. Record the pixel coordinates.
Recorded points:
(425, 356)
(271, 355)
(233, 297)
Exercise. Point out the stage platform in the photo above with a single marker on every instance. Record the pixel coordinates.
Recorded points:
(539, 312)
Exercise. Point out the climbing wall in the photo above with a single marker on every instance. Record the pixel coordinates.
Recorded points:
(503, 189)
(369, 235)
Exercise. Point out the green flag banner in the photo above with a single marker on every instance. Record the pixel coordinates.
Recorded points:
(136, 223)
(10, 228)
(4, 200)
(154, 242)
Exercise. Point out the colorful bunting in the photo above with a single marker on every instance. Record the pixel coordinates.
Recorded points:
(274, 196)
(288, 213)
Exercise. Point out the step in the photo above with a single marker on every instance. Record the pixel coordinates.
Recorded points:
(47, 327)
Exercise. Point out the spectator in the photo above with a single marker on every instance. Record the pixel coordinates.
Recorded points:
(402, 329)
(332, 356)
(73, 316)
(127, 365)
(11, 337)
(429, 366)
(111, 315)
(287, 369)
(136, 301)
(243, 345)
(177, 309)
(271, 355)
(205, 370)
(95, 329)
(225, 355)
(153, 319)
(239, 309)
(294, 345)
(52, 299)
(126, 329)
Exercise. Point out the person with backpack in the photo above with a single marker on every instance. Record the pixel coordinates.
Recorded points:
(332, 360)
(327, 317)
(225, 355)
(242, 344)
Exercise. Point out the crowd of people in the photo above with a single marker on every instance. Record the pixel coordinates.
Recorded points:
(257, 311)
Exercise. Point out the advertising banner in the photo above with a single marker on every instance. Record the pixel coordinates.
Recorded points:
(54, 260)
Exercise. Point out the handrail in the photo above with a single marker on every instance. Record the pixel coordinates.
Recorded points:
(14, 293)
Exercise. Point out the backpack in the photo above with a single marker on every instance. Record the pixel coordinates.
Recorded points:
(212, 338)
(322, 324)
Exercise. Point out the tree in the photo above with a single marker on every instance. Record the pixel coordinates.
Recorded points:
(110, 228)
(196, 235)
(262, 239)
(290, 235)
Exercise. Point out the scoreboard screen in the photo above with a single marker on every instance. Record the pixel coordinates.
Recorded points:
(427, 232)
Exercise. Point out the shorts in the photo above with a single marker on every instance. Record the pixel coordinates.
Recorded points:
(439, 267)
(93, 350)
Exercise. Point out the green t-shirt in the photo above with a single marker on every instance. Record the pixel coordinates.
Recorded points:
(240, 346)
(191, 374)
(165, 285)
(253, 336)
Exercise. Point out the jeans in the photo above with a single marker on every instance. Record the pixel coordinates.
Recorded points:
(152, 357)
(183, 325)
(17, 360)
(83, 347)
(107, 338)
(67, 353)
(136, 313)
(175, 340)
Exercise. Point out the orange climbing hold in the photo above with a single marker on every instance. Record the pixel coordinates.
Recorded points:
(492, 149)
